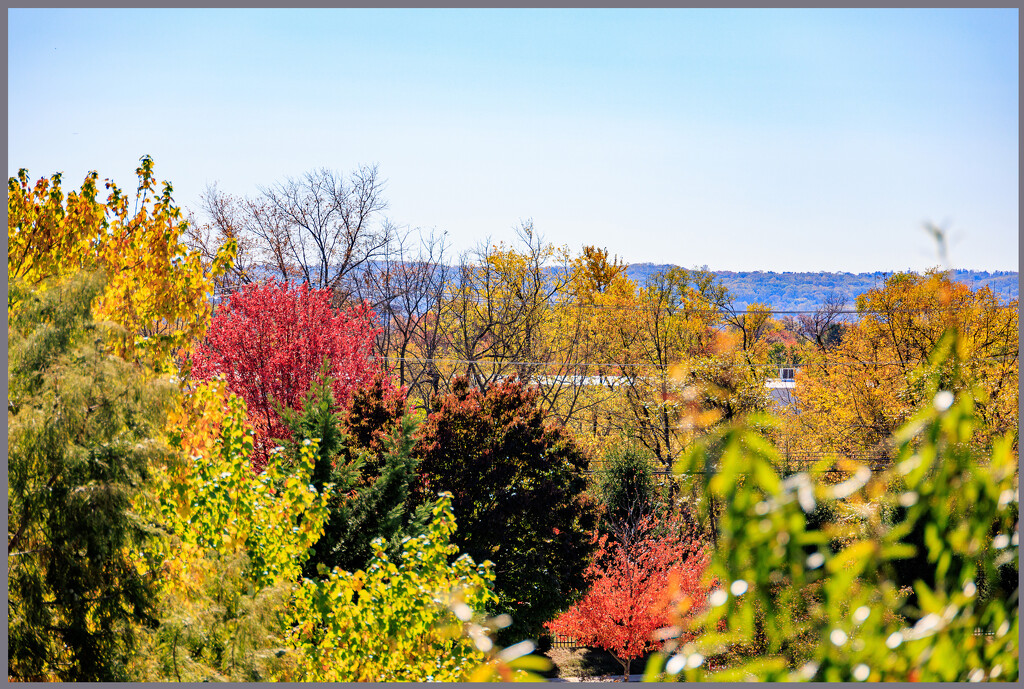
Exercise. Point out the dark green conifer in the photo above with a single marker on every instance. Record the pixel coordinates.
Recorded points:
(366, 505)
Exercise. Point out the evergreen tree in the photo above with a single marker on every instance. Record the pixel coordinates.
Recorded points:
(626, 489)
(381, 507)
(366, 505)
(82, 427)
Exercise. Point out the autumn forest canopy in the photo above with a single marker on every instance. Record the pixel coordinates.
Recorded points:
(280, 437)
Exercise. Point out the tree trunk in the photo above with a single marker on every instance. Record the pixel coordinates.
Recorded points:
(625, 667)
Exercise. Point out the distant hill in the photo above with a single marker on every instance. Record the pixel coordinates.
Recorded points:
(789, 291)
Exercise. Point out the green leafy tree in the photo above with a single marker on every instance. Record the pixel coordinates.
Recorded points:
(318, 416)
(830, 603)
(83, 426)
(400, 620)
(233, 604)
(519, 496)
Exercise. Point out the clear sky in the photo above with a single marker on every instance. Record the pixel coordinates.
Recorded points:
(737, 139)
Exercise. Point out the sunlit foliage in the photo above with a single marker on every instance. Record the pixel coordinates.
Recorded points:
(637, 578)
(855, 395)
(839, 586)
(157, 288)
(233, 543)
(269, 342)
(395, 621)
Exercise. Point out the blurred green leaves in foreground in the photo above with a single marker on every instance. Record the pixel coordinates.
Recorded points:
(906, 573)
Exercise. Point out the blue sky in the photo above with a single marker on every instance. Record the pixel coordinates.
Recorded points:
(738, 139)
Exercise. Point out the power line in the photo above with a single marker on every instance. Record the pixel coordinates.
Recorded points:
(800, 455)
(810, 457)
(672, 472)
(877, 465)
(705, 362)
(767, 311)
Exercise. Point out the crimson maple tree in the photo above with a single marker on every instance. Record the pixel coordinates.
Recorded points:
(637, 580)
(269, 341)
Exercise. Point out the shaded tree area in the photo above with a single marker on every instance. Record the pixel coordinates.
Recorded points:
(518, 496)
(83, 428)
(370, 476)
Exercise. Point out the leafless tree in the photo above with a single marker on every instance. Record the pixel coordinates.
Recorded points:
(823, 327)
(224, 221)
(323, 228)
(332, 226)
(406, 288)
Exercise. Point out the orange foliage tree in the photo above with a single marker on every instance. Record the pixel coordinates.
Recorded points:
(637, 582)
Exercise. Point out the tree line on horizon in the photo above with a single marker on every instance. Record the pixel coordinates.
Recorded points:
(809, 290)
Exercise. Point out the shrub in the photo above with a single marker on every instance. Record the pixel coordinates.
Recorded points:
(954, 510)
(625, 488)
(406, 620)
(636, 580)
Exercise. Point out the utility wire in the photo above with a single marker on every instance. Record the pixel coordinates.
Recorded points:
(705, 362)
(767, 311)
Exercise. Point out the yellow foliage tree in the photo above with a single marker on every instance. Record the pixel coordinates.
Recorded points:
(659, 330)
(157, 288)
(854, 396)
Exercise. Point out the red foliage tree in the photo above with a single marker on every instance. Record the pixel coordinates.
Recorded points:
(637, 582)
(269, 342)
